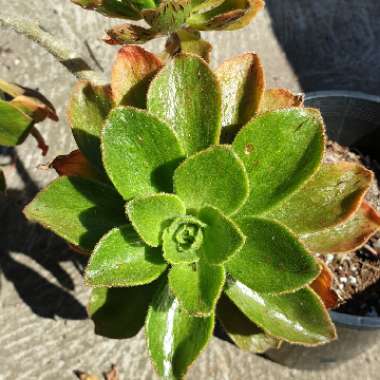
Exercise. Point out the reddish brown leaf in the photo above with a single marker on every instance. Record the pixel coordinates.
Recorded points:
(323, 284)
(74, 164)
(346, 237)
(128, 34)
(131, 75)
(40, 140)
(36, 109)
(279, 98)
(77, 249)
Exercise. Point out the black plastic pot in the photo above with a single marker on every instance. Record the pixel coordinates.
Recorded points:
(352, 119)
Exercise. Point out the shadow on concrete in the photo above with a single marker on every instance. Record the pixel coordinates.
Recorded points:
(20, 238)
(331, 44)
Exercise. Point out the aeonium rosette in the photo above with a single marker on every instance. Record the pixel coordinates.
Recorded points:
(203, 195)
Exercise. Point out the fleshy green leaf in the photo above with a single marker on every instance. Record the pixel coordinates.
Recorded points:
(88, 109)
(197, 286)
(120, 313)
(346, 237)
(280, 98)
(222, 238)
(14, 124)
(243, 332)
(186, 94)
(115, 8)
(332, 195)
(132, 72)
(150, 215)
(280, 151)
(77, 209)
(182, 240)
(168, 16)
(272, 260)
(298, 317)
(242, 82)
(229, 15)
(214, 177)
(122, 259)
(140, 152)
(175, 338)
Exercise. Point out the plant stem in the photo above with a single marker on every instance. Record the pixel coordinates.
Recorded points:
(66, 56)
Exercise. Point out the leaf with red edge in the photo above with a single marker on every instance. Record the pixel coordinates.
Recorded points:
(331, 197)
(279, 98)
(128, 34)
(75, 164)
(347, 237)
(35, 108)
(323, 286)
(131, 75)
(242, 83)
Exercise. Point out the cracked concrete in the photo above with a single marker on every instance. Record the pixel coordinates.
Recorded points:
(44, 333)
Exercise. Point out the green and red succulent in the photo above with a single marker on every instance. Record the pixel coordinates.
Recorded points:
(182, 19)
(20, 110)
(202, 195)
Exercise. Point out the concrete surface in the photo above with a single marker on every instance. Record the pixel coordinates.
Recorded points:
(44, 333)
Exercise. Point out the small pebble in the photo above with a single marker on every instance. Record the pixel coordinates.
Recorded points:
(353, 280)
(329, 258)
(343, 280)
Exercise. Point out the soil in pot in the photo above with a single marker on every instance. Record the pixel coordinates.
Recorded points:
(357, 274)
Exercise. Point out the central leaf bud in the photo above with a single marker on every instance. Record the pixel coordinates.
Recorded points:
(182, 239)
(188, 236)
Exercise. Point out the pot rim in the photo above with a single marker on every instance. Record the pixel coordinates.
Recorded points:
(343, 94)
(349, 320)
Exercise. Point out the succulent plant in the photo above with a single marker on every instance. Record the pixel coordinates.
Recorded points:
(172, 16)
(20, 109)
(203, 195)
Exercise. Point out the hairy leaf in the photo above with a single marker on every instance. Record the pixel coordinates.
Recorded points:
(298, 317)
(243, 332)
(242, 82)
(330, 197)
(197, 286)
(120, 313)
(229, 15)
(115, 8)
(132, 73)
(346, 237)
(140, 152)
(222, 238)
(186, 94)
(272, 260)
(168, 16)
(128, 34)
(214, 177)
(175, 338)
(79, 210)
(14, 124)
(122, 259)
(280, 151)
(150, 215)
(182, 240)
(280, 98)
(88, 108)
